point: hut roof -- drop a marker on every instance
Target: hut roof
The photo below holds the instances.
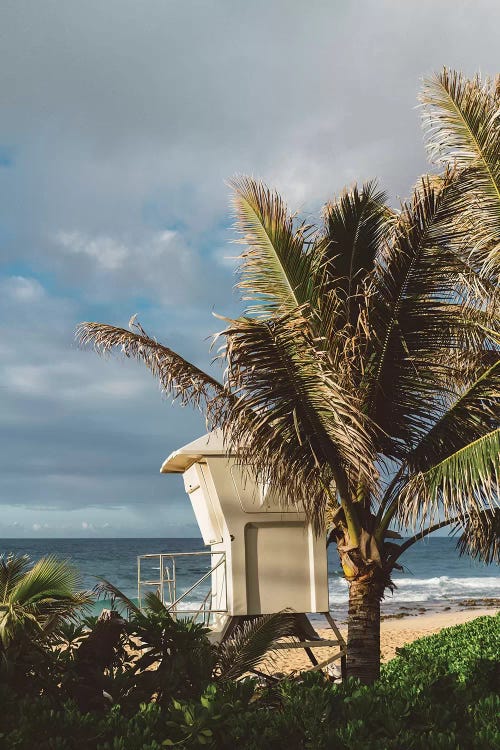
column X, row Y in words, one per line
column 179, row 461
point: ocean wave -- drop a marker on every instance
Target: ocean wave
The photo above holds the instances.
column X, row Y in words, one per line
column 407, row 589
column 427, row 589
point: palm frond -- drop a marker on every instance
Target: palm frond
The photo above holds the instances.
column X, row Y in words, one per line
column 12, row 569
column 355, row 225
column 419, row 325
column 480, row 536
column 178, row 378
column 473, row 414
column 278, row 268
column 462, row 120
column 49, row 578
column 245, row 649
column 464, row 483
column 298, row 424
column 106, row 589
column 154, row 604
column 40, row 598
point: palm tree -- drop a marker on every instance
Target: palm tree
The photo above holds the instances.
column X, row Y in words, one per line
column 35, row 599
column 363, row 379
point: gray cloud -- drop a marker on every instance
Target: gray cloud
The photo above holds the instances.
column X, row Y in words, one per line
column 120, row 122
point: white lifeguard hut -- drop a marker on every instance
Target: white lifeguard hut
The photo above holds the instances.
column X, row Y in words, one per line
column 265, row 557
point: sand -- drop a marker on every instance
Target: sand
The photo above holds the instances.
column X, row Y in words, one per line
column 394, row 633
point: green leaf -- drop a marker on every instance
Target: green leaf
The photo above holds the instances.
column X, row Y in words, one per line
column 36, row 599
column 277, row 272
column 470, row 416
column 464, row 483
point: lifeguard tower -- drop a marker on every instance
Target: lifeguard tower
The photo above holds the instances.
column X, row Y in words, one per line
column 264, row 557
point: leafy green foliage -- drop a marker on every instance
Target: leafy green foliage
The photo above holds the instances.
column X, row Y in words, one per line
column 199, row 724
column 38, row 603
column 154, row 657
column 35, row 598
column 439, row 693
column 458, row 650
column 175, row 658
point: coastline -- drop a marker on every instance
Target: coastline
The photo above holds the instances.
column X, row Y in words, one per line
column 394, row 633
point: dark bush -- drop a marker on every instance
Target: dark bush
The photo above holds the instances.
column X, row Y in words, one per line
column 440, row 693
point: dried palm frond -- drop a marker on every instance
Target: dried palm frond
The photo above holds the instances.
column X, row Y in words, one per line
column 287, row 265
column 370, row 345
column 462, row 120
column 472, row 415
column 355, row 226
column 301, row 427
column 250, row 643
column 417, row 322
column 480, row 536
column 178, row 378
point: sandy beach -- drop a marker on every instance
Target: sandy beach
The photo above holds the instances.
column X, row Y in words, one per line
column 394, row 634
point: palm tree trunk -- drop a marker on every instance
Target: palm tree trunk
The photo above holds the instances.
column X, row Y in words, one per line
column 363, row 635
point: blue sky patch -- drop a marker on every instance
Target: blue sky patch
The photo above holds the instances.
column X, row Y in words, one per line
column 6, row 157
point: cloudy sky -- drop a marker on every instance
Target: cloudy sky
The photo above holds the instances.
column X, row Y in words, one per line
column 120, row 122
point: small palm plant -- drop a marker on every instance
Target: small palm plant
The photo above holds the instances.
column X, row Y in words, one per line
column 167, row 657
column 35, row 599
column 36, row 602
column 363, row 380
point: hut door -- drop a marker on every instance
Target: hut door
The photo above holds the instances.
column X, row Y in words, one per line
column 278, row 567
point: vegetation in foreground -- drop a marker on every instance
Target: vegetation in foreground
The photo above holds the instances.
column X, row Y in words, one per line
column 147, row 681
column 440, row 693
column 362, row 381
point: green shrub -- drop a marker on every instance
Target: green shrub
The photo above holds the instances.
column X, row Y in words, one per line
column 440, row 693
column 27, row 724
column 453, row 650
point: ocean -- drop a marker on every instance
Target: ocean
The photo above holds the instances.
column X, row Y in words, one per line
column 434, row 575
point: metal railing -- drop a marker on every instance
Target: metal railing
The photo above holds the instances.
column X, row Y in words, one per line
column 213, row 602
